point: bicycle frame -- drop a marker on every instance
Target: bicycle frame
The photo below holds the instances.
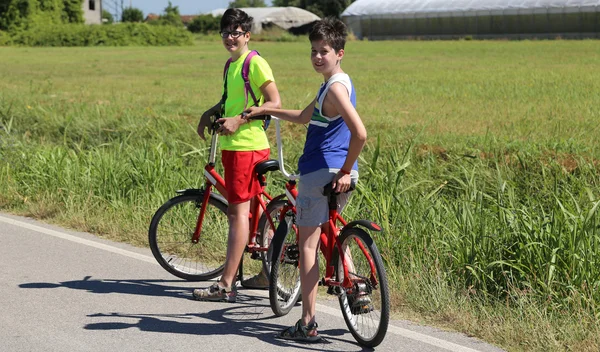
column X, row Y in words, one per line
column 213, row 179
column 329, row 232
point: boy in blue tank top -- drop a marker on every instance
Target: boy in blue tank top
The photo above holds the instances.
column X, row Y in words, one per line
column 335, row 138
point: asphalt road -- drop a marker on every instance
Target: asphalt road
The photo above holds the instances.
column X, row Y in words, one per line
column 62, row 290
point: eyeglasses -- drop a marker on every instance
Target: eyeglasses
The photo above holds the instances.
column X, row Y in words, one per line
column 234, row 34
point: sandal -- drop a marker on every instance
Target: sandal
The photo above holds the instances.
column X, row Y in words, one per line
column 216, row 293
column 299, row 332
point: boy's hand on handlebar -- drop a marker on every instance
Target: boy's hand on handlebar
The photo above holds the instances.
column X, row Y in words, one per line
column 229, row 125
column 341, row 182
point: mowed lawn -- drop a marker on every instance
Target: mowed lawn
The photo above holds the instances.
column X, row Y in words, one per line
column 482, row 164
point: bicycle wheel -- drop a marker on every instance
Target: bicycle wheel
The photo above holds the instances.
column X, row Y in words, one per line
column 366, row 305
column 284, row 283
column 267, row 232
column 171, row 231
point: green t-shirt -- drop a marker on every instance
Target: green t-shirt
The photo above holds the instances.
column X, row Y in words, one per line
column 250, row 136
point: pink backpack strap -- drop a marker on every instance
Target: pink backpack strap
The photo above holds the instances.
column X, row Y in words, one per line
column 245, row 76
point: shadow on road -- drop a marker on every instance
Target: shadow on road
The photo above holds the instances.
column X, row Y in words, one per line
column 233, row 319
column 133, row 287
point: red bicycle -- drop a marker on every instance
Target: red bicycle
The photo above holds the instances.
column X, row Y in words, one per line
column 188, row 233
column 354, row 269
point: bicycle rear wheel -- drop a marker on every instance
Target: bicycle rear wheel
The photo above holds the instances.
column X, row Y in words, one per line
column 366, row 305
column 171, row 231
column 284, row 285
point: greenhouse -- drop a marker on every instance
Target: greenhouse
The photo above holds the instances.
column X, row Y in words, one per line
column 390, row 19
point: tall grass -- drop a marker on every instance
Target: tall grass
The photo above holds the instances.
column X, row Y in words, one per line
column 481, row 166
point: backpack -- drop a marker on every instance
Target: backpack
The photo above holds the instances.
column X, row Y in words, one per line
column 246, row 78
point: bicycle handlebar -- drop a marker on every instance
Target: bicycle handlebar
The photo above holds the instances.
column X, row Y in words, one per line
column 215, row 125
column 328, row 189
column 289, row 176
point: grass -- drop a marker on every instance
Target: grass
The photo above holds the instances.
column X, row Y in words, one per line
column 481, row 165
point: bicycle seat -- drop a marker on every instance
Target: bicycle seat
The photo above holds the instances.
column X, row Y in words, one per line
column 266, row 166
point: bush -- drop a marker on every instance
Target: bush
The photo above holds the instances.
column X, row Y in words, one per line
column 107, row 17
column 123, row 34
column 204, row 24
column 132, row 14
column 4, row 39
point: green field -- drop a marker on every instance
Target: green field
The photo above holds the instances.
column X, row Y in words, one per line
column 482, row 164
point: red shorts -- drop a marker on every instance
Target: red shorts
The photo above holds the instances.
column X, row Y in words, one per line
column 241, row 182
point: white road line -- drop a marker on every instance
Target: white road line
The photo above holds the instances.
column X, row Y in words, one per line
column 79, row 240
column 430, row 340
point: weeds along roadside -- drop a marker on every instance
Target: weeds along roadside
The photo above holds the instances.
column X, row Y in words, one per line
column 513, row 228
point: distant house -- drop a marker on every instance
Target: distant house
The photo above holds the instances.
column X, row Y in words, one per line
column 187, row 19
column 92, row 11
column 151, row 17
column 293, row 19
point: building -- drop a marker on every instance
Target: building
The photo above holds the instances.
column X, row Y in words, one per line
column 289, row 18
column 92, row 11
column 397, row 19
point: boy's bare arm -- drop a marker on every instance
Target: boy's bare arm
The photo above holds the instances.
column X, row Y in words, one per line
column 338, row 96
column 271, row 93
column 296, row 116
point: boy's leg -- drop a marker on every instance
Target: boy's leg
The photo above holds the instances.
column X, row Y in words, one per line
column 309, row 270
column 224, row 290
column 236, row 241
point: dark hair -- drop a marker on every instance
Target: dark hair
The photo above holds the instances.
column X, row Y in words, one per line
column 232, row 18
column 332, row 31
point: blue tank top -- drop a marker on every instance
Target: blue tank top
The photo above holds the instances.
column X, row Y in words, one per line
column 327, row 138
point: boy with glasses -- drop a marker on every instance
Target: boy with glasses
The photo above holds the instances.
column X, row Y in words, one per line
column 243, row 143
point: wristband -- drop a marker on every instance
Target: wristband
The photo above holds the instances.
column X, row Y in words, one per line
column 345, row 172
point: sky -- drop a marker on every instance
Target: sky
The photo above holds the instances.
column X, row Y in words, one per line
column 186, row 7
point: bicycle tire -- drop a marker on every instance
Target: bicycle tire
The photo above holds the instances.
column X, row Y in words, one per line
column 266, row 234
column 366, row 318
column 170, row 237
column 284, row 281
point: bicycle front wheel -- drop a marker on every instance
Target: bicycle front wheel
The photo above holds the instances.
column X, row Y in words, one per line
column 284, row 283
column 366, row 305
column 267, row 232
column 171, row 231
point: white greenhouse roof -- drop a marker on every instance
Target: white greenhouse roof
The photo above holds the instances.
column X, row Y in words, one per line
column 456, row 7
column 284, row 17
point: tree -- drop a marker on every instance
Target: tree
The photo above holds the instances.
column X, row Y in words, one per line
column 132, row 14
column 72, row 11
column 107, row 17
column 321, row 8
column 171, row 16
column 247, row 3
column 16, row 14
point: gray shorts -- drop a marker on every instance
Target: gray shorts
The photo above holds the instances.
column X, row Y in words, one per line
column 311, row 205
